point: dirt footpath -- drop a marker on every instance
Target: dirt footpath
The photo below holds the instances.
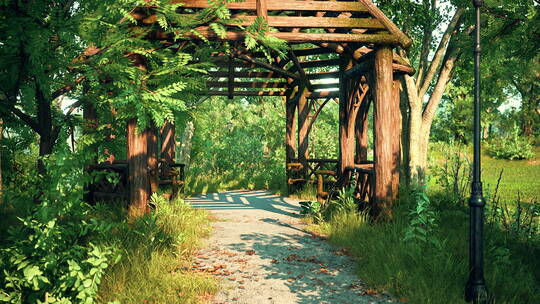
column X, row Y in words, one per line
column 262, row 254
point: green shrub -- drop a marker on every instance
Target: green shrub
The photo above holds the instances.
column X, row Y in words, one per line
column 511, row 147
column 49, row 257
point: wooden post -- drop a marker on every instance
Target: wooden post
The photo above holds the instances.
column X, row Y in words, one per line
column 361, row 131
column 303, row 129
column 139, row 192
column 262, row 9
column 168, row 142
column 397, row 134
column 290, row 129
column 346, row 136
column 386, row 139
column 153, row 164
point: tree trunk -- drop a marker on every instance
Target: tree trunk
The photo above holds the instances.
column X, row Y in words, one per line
column 138, row 171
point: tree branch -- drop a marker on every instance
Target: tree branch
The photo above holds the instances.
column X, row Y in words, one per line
column 440, row 53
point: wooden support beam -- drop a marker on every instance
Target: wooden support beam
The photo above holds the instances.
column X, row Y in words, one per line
column 262, row 9
column 346, row 137
column 290, row 129
column 323, row 94
column 386, row 140
column 267, row 66
column 284, row 5
column 403, row 40
column 153, row 164
column 362, row 131
column 301, row 71
column 139, row 192
column 246, row 84
column 323, row 86
column 302, row 22
column 303, row 128
column 311, row 52
column 382, row 38
column 247, row 93
column 168, row 142
column 319, row 63
column 324, row 75
column 246, row 74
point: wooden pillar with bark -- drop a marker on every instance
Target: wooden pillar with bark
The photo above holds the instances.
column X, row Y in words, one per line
column 290, row 133
column 387, row 140
column 303, row 107
column 139, row 192
column 153, row 164
column 346, row 119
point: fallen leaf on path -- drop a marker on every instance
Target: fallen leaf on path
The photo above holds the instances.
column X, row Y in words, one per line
column 242, row 287
column 342, row 252
column 250, row 252
column 370, row 292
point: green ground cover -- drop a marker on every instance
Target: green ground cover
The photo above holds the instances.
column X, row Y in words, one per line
column 519, row 177
column 434, row 269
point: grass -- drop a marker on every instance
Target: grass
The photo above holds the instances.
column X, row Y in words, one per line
column 520, row 177
column 423, row 273
column 156, row 257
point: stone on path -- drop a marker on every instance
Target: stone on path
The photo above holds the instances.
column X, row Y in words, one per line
column 262, row 253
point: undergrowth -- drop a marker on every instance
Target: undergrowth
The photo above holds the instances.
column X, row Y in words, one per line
column 431, row 266
column 157, row 251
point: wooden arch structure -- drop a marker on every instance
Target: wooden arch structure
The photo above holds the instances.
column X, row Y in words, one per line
column 360, row 70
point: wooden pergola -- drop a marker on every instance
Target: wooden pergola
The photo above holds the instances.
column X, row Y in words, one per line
column 360, row 70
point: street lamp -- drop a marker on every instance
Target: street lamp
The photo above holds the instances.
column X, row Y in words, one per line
column 476, row 290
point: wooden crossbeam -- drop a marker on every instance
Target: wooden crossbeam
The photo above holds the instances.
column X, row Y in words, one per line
column 301, row 71
column 246, row 74
column 246, row 84
column 311, row 52
column 266, row 65
column 247, row 93
column 305, row 22
column 324, row 75
column 383, row 38
column 326, row 86
column 284, row 5
column 323, row 94
column 319, row 63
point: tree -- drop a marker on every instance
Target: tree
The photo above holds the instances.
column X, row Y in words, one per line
column 436, row 59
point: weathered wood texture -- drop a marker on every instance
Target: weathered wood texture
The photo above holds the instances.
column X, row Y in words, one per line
column 139, row 192
column 152, row 150
column 386, row 140
column 168, row 142
column 346, row 138
column 303, row 127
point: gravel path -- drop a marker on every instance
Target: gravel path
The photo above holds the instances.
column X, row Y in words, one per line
column 262, row 254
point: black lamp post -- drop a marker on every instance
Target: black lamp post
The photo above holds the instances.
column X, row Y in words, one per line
column 476, row 290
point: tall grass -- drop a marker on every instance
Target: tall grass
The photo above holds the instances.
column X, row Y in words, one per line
column 421, row 272
column 156, row 256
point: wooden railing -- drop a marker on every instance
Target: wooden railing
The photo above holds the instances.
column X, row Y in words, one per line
column 112, row 181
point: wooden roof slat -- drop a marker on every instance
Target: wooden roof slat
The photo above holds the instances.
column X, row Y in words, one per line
column 319, row 63
column 382, row 38
column 285, row 5
column 313, row 51
column 247, row 84
column 246, row 74
column 306, row 22
column 324, row 75
column 247, row 93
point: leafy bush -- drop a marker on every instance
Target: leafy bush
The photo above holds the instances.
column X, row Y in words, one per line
column 50, row 257
column 511, row 147
column 422, row 219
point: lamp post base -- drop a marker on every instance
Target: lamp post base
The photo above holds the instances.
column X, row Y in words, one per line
column 477, row 293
